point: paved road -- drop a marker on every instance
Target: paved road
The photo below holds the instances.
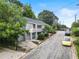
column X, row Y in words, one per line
column 52, row 49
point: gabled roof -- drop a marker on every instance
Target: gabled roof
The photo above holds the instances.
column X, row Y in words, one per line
column 34, row 21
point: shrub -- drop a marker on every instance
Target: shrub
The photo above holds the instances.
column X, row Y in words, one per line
column 49, row 29
column 53, row 31
column 76, row 42
column 41, row 36
column 75, row 31
column 5, row 42
column 45, row 34
column 75, row 24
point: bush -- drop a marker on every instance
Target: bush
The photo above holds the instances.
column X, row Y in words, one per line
column 75, row 24
column 75, row 31
column 7, row 42
column 41, row 36
column 76, row 42
column 49, row 29
column 46, row 34
column 53, row 31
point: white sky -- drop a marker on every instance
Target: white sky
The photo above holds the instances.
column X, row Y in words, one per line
column 67, row 16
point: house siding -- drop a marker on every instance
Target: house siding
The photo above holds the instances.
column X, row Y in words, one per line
column 32, row 26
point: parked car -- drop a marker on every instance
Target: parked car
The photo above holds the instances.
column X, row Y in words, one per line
column 67, row 32
column 67, row 42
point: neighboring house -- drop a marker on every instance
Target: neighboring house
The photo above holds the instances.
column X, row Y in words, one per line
column 34, row 27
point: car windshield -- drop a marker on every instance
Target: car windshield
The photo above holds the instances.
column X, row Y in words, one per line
column 66, row 39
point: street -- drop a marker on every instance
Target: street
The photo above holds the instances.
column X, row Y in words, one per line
column 52, row 49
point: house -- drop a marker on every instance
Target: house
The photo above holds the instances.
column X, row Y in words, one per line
column 34, row 27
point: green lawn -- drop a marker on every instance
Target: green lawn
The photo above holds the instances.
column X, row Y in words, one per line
column 76, row 43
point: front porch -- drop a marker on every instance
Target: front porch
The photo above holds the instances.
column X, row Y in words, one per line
column 28, row 36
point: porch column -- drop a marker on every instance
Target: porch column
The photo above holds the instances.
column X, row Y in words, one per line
column 31, row 35
column 36, row 32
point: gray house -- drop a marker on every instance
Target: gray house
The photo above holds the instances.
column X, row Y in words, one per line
column 34, row 27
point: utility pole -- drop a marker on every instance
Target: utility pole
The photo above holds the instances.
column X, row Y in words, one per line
column 75, row 17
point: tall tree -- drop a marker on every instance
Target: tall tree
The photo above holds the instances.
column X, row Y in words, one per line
column 16, row 2
column 47, row 16
column 11, row 22
column 28, row 12
column 75, row 28
column 12, row 0
column 75, row 24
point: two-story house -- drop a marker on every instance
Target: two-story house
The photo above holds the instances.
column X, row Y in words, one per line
column 34, row 27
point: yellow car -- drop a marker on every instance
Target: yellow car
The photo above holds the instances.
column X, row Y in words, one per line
column 67, row 42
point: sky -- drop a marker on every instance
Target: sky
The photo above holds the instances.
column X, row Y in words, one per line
column 64, row 9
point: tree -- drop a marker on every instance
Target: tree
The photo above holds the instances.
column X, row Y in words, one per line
column 47, row 16
column 28, row 12
column 11, row 22
column 75, row 28
column 75, row 24
column 16, row 2
column 12, row 0
column 61, row 26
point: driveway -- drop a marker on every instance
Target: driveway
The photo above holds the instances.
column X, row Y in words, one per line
column 51, row 49
column 10, row 54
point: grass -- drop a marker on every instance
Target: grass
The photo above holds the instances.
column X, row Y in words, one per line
column 77, row 49
column 76, row 43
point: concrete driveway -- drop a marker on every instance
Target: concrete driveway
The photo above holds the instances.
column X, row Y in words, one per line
column 51, row 49
column 10, row 54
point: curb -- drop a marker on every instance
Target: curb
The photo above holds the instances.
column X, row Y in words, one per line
column 74, row 52
column 21, row 56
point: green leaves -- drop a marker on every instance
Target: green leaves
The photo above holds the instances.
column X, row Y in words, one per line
column 49, row 29
column 47, row 16
column 28, row 12
column 11, row 21
column 75, row 31
column 75, row 28
column 75, row 24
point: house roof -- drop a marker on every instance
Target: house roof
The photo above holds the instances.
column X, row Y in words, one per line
column 34, row 21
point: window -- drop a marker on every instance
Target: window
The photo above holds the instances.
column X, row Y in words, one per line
column 67, row 39
column 33, row 25
column 39, row 26
column 33, row 35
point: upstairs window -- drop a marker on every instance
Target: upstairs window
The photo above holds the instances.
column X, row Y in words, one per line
column 33, row 25
column 39, row 26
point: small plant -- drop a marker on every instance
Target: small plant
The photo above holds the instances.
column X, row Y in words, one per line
column 41, row 36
